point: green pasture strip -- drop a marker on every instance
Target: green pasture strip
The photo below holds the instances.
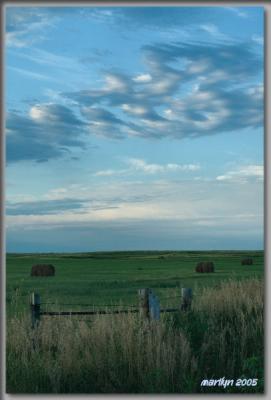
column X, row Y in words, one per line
column 114, row 277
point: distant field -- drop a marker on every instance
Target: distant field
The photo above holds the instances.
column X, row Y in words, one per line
column 110, row 278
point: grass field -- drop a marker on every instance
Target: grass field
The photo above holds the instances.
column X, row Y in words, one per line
column 221, row 336
column 106, row 278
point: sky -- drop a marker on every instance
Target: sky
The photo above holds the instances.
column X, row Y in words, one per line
column 134, row 128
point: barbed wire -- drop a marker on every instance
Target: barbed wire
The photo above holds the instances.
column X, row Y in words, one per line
column 91, row 305
column 107, row 305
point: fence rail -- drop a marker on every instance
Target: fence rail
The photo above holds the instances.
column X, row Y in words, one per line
column 149, row 306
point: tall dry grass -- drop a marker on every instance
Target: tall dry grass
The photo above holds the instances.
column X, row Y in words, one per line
column 221, row 336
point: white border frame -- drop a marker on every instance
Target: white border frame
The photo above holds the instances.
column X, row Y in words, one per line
column 267, row 189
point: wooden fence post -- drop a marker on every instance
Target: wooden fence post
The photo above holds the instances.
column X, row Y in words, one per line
column 144, row 305
column 35, row 309
column 149, row 306
column 186, row 299
column 154, row 307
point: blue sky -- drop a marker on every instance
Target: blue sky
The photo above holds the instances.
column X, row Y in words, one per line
column 134, row 128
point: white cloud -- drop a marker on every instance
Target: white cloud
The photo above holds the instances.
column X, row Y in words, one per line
column 184, row 167
column 210, row 28
column 213, row 30
column 243, row 174
column 191, row 204
column 258, row 39
column 143, row 166
column 143, row 78
column 237, row 11
column 12, row 39
column 256, row 92
column 27, row 26
column 164, row 83
column 37, row 113
column 192, row 92
column 32, row 74
column 198, row 67
column 139, row 165
column 115, row 83
column 60, row 68
column 109, row 172
column 58, row 193
column 44, row 57
column 134, row 109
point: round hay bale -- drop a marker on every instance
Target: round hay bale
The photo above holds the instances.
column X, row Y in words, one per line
column 205, row 266
column 199, row 267
column 43, row 270
column 247, row 261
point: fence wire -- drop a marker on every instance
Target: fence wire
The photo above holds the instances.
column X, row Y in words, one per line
column 96, row 308
column 91, row 305
column 106, row 305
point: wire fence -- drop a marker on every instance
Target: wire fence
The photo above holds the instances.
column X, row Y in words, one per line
column 148, row 306
column 90, row 305
column 105, row 305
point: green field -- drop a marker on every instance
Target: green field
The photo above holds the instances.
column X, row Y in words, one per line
column 221, row 336
column 110, row 278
